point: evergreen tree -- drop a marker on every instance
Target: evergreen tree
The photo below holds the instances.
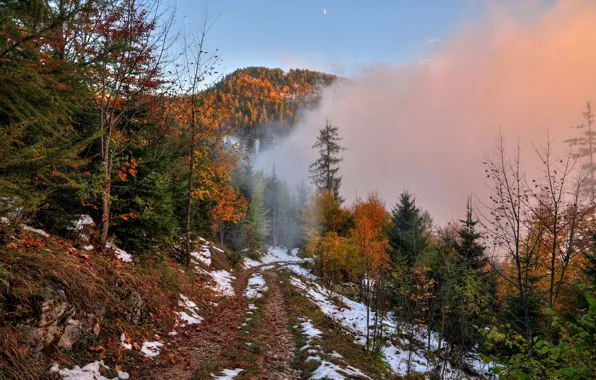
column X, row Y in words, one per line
column 324, row 171
column 410, row 229
column 272, row 205
column 471, row 251
column 255, row 224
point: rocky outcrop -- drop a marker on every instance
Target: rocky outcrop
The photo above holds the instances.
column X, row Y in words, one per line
column 58, row 322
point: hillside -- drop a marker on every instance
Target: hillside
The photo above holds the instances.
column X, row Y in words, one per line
column 264, row 103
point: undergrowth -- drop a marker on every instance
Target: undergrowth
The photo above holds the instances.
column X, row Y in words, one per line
column 32, row 267
column 334, row 338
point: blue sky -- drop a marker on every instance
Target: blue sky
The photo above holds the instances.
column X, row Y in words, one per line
column 351, row 36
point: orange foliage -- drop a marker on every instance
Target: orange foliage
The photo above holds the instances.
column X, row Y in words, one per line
column 372, row 222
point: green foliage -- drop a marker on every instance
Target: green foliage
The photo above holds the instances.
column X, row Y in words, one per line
column 410, row 229
column 144, row 218
column 42, row 98
column 571, row 356
column 324, row 172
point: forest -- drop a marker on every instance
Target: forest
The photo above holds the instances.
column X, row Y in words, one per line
column 100, row 120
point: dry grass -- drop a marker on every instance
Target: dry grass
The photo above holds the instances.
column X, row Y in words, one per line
column 31, row 265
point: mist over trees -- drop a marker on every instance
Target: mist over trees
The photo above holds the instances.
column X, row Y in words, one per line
column 93, row 121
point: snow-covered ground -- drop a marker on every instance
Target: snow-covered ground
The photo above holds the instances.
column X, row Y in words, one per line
column 204, row 255
column 151, row 349
column 91, row 371
column 353, row 319
column 223, row 282
column 190, row 315
column 227, row 374
column 37, row 231
column 120, row 253
column 256, row 286
column 274, row 255
column 326, row 369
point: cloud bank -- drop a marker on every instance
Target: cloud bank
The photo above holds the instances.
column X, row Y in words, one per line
column 427, row 126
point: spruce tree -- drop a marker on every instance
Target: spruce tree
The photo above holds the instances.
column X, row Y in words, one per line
column 324, row 171
column 255, row 224
column 272, row 205
column 471, row 251
column 410, row 230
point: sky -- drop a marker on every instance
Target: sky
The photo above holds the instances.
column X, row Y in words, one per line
column 352, row 35
column 432, row 84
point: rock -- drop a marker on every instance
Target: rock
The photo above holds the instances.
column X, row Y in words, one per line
column 71, row 335
column 58, row 322
column 136, row 308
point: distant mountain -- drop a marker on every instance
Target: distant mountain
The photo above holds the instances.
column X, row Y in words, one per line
column 264, row 103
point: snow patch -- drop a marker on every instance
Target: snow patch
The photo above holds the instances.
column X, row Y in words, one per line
column 275, row 255
column 297, row 269
column 328, row 370
column 190, row 315
column 35, row 230
column 256, row 286
column 227, row 374
column 353, row 318
column 151, row 349
column 127, row 346
column 91, row 371
column 121, row 254
column 81, row 222
column 223, row 282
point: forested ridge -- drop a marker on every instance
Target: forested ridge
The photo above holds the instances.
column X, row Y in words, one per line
column 136, row 236
column 264, row 103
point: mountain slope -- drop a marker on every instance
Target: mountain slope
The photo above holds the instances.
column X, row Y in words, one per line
column 264, row 103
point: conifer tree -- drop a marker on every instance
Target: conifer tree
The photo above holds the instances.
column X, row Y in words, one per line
column 410, row 229
column 255, row 224
column 471, row 251
column 324, row 171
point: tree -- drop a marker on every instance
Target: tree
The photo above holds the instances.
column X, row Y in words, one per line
column 123, row 49
column 230, row 207
column 272, row 202
column 470, row 249
column 410, row 229
column 324, row 171
column 371, row 223
column 586, row 145
column 43, row 105
column 255, row 225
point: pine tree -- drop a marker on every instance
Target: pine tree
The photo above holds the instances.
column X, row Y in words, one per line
column 471, row 251
column 324, row 171
column 255, row 224
column 272, row 205
column 410, row 229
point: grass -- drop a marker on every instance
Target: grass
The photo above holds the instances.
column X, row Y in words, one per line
column 334, row 337
column 31, row 266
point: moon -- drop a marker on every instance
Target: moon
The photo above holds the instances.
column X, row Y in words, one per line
column 324, row 11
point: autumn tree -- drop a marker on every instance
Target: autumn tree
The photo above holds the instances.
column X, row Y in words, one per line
column 123, row 48
column 324, row 172
column 371, row 223
column 230, row 207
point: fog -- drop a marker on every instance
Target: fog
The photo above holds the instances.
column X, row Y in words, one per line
column 427, row 126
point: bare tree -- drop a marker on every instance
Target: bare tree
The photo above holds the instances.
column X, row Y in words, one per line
column 509, row 222
column 535, row 224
